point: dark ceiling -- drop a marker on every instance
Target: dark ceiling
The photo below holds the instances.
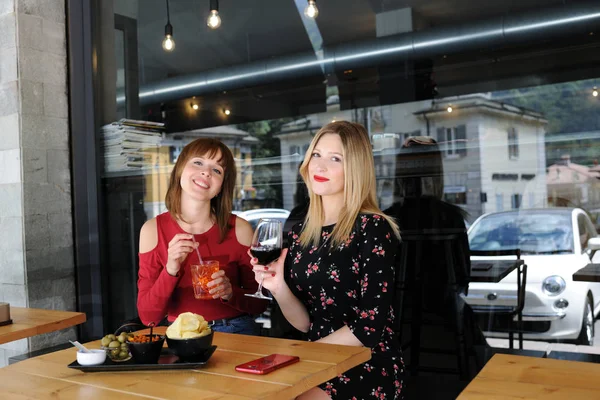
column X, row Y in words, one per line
column 259, row 29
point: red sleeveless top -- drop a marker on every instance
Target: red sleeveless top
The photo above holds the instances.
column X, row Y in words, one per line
column 161, row 294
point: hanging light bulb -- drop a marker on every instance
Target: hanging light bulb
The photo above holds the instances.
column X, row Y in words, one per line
column 595, row 92
column 195, row 106
column 214, row 19
column 168, row 42
column 227, row 111
column 311, row 10
column 449, row 109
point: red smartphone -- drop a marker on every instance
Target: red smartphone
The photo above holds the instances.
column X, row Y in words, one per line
column 267, row 364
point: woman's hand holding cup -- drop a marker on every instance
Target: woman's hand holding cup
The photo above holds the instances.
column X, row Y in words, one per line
column 272, row 274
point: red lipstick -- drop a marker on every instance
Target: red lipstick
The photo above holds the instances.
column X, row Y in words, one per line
column 320, row 178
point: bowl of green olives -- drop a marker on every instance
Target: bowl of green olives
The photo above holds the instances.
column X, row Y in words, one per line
column 116, row 347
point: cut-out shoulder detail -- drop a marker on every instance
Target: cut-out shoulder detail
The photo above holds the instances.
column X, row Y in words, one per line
column 243, row 231
column 148, row 236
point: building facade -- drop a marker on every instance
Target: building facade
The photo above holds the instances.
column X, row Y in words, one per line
column 37, row 266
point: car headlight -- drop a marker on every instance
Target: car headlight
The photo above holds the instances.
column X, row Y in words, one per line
column 553, row 285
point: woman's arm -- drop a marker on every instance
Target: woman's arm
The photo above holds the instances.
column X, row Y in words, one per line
column 293, row 310
column 155, row 284
column 377, row 250
column 342, row 336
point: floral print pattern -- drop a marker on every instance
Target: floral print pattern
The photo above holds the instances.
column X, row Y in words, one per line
column 352, row 285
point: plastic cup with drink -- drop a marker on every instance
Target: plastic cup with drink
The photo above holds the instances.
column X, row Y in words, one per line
column 201, row 275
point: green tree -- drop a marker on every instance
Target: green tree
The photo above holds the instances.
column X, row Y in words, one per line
column 266, row 178
column 570, row 109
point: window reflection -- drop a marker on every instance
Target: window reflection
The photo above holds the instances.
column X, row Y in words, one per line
column 511, row 148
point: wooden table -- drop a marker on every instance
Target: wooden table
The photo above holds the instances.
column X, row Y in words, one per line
column 29, row 322
column 47, row 376
column 589, row 273
column 517, row 377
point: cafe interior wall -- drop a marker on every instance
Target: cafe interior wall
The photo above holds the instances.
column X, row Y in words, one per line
column 36, row 236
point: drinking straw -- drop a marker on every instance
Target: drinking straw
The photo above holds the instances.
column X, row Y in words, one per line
column 197, row 251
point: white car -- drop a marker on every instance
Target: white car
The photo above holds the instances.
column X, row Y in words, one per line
column 555, row 243
column 253, row 216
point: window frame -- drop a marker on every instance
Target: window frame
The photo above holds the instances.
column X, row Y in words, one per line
column 513, row 143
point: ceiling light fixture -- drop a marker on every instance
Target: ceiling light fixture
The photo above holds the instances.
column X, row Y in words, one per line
column 595, row 91
column 214, row 19
column 449, row 109
column 311, row 10
column 168, row 43
column 226, row 111
column 195, row 106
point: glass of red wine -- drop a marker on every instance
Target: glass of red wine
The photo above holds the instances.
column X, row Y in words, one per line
column 266, row 247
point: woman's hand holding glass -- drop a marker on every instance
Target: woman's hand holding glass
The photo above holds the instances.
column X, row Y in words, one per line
column 220, row 286
column 271, row 275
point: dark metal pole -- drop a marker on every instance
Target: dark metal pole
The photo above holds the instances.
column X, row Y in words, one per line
column 84, row 167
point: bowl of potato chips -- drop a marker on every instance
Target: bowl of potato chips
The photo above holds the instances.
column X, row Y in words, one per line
column 189, row 337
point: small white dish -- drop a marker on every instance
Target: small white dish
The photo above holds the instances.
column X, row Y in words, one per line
column 94, row 357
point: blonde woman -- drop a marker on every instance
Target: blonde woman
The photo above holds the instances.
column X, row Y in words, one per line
column 336, row 280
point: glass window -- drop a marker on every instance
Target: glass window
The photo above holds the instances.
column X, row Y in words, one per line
column 513, row 144
column 534, row 232
column 517, row 125
column 456, row 197
column 516, row 200
column 453, row 140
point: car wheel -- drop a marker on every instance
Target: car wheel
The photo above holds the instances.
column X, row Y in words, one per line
column 586, row 336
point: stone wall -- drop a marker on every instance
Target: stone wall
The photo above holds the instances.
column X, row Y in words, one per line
column 36, row 235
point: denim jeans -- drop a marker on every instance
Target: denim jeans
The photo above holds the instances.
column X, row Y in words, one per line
column 244, row 325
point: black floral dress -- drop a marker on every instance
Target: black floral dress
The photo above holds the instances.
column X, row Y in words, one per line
column 352, row 285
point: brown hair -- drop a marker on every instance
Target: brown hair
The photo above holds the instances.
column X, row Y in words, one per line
column 220, row 205
column 359, row 185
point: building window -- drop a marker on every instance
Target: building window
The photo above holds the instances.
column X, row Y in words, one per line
column 453, row 141
column 513, row 144
column 456, row 198
column 455, row 194
column 516, row 201
column 499, row 202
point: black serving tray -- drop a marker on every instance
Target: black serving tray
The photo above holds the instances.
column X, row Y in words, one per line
column 167, row 360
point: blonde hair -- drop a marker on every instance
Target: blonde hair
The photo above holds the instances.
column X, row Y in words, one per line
column 222, row 204
column 359, row 185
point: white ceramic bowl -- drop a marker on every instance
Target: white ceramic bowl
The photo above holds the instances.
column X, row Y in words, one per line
column 96, row 357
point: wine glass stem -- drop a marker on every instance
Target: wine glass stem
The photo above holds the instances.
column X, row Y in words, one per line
column 262, row 278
